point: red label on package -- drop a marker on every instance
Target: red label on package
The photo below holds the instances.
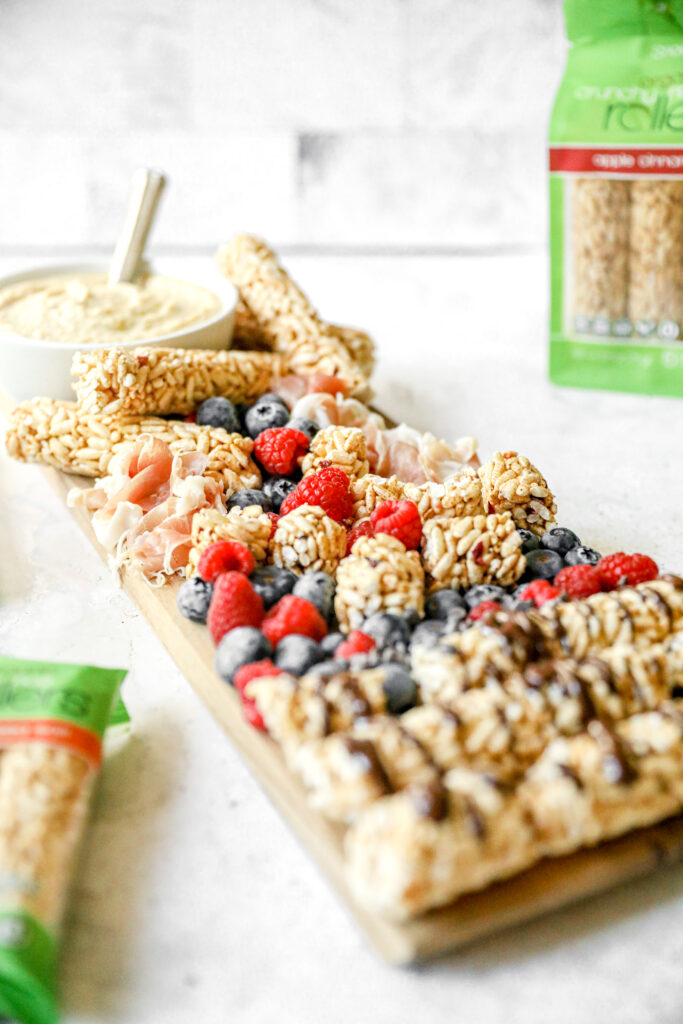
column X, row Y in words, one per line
column 55, row 733
column 616, row 160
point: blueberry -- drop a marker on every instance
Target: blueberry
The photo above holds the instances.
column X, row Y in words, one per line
column 318, row 588
column 296, row 654
column 308, row 427
column 247, row 497
column 272, row 583
column 218, row 412
column 559, row 539
column 271, row 397
column 456, row 619
column 387, row 630
column 330, row 643
column 428, row 633
column 483, row 592
column 277, row 488
column 399, row 688
column 194, row 597
column 442, row 603
column 240, row 647
column 324, row 669
column 582, row 556
column 543, row 565
column 265, row 414
column 529, row 541
column 412, row 617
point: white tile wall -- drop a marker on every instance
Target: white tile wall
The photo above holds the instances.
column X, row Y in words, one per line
column 365, row 123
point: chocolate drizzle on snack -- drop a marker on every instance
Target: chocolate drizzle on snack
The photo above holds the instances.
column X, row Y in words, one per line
column 429, row 799
column 364, row 752
column 616, row 763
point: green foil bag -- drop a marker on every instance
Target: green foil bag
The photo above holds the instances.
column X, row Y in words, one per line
column 616, row 199
column 52, row 721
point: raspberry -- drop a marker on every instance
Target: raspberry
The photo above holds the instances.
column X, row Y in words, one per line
column 224, row 556
column 619, row 569
column 399, row 519
column 293, row 614
column 356, row 642
column 234, row 603
column 579, row 581
column 273, row 516
column 363, row 529
column 482, row 609
column 539, row 592
column 252, row 714
column 254, row 670
column 279, row 449
column 191, row 417
column 328, row 488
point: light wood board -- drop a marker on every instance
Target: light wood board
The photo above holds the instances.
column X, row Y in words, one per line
column 548, row 886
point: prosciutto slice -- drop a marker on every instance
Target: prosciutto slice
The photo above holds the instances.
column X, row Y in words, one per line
column 416, row 457
column 293, row 387
column 413, row 456
column 143, row 509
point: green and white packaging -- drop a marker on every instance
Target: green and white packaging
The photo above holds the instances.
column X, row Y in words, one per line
column 52, row 720
column 616, row 199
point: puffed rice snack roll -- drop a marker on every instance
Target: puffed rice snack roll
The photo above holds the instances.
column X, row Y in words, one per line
column 511, row 483
column 288, row 319
column 370, row 490
column 166, row 381
column 467, row 550
column 249, row 526
column 308, row 539
column 343, row 447
column 378, row 575
column 460, row 495
column 60, row 434
column 300, row 711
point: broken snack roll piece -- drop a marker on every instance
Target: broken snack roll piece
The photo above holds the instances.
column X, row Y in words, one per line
column 344, row 447
column 641, row 615
column 297, row 711
column 427, row 845
column 169, row 381
column 467, row 550
column 378, row 575
column 307, row 539
column 250, row 526
column 60, row 434
column 511, row 483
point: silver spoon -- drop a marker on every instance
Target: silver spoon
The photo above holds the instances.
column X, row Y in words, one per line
column 148, row 184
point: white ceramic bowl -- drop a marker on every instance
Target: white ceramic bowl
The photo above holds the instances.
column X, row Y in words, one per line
column 30, row 367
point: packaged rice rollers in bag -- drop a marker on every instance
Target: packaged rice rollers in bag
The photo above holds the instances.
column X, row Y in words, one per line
column 616, row 199
column 52, row 720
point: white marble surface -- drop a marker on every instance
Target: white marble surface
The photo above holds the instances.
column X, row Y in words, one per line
column 193, row 901
column 328, row 122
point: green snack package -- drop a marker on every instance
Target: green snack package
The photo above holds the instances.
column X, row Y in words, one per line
column 616, row 199
column 52, row 720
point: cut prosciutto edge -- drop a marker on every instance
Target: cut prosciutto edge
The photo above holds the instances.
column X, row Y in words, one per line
column 413, row 456
column 143, row 509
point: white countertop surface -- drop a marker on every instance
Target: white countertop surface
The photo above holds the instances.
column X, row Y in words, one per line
column 194, row 902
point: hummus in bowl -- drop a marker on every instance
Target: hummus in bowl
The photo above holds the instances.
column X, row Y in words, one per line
column 50, row 313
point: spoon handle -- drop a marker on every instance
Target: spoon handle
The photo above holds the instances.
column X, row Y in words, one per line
column 148, row 184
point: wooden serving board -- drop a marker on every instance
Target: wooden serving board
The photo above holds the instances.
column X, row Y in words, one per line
column 549, row 885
